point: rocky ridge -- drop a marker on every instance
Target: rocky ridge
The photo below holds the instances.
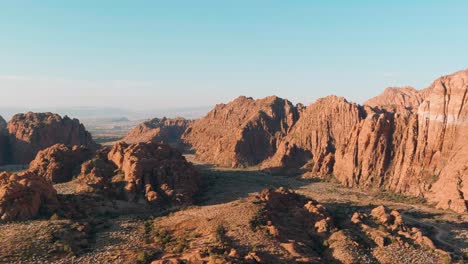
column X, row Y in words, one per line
column 241, row 133
column 159, row 130
column 415, row 152
column 31, row 132
column 59, row 163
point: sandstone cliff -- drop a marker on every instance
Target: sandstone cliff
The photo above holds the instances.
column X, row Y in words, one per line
column 32, row 132
column 312, row 142
column 419, row 152
column 425, row 153
column 162, row 130
column 243, row 132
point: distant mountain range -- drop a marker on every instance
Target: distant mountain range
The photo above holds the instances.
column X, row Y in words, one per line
column 111, row 112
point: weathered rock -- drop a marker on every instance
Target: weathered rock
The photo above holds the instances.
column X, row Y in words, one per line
column 23, row 196
column 300, row 224
column 59, row 163
column 406, row 97
column 158, row 130
column 97, row 173
column 157, row 171
column 322, row 128
column 420, row 152
column 32, row 132
column 243, row 132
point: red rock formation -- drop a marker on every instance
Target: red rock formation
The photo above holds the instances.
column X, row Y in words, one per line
column 158, row 130
column 406, row 97
column 442, row 146
column 32, row 132
column 97, row 173
column 427, row 153
column 243, row 132
column 419, row 153
column 157, row 171
column 311, row 144
column 59, row 163
column 24, row 195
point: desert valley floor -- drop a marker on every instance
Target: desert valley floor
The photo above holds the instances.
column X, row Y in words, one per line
column 119, row 231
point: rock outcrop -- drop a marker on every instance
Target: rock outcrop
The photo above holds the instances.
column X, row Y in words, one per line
column 307, row 231
column 32, row 132
column 311, row 144
column 159, row 130
column 155, row 171
column 23, row 196
column 406, row 97
column 59, row 163
column 241, row 133
column 97, row 173
column 418, row 152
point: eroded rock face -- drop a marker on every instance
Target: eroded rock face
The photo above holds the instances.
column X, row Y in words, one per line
column 59, row 163
column 406, row 97
column 158, row 130
column 32, row 132
column 442, row 142
column 97, row 173
column 419, row 152
column 24, row 195
column 243, row 132
column 155, row 171
column 311, row 145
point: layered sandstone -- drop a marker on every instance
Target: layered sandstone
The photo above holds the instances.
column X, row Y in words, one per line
column 419, row 152
column 23, row 196
column 155, row 171
column 32, row 132
column 59, row 163
column 243, row 132
column 160, row 130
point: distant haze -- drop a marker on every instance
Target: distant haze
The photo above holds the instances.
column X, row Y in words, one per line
column 140, row 59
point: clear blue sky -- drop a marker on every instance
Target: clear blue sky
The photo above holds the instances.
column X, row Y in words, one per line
column 162, row 54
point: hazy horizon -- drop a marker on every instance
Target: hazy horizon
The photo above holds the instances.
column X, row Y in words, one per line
column 144, row 56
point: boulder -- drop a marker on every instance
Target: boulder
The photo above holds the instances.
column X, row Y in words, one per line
column 24, row 195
